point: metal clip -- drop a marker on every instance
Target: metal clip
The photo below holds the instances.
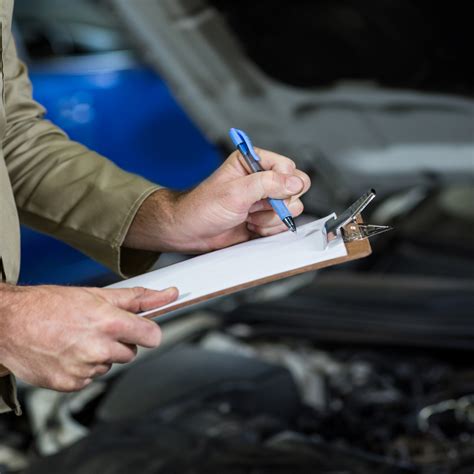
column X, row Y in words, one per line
column 347, row 223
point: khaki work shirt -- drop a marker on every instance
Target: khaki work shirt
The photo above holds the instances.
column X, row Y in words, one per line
column 56, row 186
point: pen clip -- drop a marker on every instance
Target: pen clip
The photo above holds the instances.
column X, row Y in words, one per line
column 354, row 231
column 242, row 140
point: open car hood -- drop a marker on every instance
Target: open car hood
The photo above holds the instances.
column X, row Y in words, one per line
column 352, row 130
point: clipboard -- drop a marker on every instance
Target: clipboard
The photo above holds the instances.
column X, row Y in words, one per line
column 356, row 249
column 348, row 228
column 343, row 238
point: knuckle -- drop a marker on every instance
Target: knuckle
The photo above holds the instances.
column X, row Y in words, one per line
column 103, row 370
column 268, row 231
column 52, row 381
column 101, row 311
column 306, row 179
column 153, row 335
column 297, row 207
column 74, row 385
column 269, row 181
column 95, row 372
column 125, row 355
column 85, row 383
column 263, row 231
column 112, row 326
column 89, row 373
column 157, row 335
column 65, row 383
column 99, row 353
column 136, row 291
column 289, row 164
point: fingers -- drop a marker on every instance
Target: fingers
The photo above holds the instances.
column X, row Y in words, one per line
column 119, row 332
column 294, row 204
column 262, row 205
column 270, row 218
column 98, row 361
column 248, row 190
column 62, row 382
column 99, row 370
column 119, row 338
column 130, row 329
column 271, row 162
column 281, row 180
column 138, row 299
column 268, row 160
column 122, row 353
column 306, row 180
column 267, row 231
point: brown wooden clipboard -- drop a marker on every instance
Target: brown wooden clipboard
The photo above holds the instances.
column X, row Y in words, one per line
column 355, row 250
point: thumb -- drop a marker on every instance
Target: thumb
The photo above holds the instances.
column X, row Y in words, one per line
column 266, row 184
column 138, row 299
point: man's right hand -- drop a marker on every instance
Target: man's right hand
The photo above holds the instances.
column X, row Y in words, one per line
column 61, row 338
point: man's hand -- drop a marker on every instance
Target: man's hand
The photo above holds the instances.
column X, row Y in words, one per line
column 61, row 338
column 227, row 208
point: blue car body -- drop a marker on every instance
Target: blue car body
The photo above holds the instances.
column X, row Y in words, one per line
column 123, row 110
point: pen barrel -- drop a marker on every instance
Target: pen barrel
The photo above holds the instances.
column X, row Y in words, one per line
column 243, row 144
column 280, row 208
column 252, row 163
column 277, row 204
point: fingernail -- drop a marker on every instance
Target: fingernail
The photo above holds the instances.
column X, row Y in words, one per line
column 171, row 289
column 294, row 184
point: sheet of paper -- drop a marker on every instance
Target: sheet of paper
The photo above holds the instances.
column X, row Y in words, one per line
column 242, row 263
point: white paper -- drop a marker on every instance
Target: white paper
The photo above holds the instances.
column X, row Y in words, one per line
column 242, row 263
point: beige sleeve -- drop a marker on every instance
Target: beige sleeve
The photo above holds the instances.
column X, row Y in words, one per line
column 63, row 189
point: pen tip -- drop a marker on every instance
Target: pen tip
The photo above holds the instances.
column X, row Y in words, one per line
column 290, row 223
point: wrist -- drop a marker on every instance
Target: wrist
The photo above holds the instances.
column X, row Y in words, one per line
column 154, row 223
column 14, row 300
column 7, row 304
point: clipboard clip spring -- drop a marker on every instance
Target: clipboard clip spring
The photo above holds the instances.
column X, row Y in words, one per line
column 347, row 224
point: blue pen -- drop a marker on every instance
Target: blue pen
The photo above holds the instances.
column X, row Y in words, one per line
column 244, row 145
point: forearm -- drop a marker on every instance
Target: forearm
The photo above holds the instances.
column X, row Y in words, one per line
column 5, row 301
column 11, row 297
column 155, row 224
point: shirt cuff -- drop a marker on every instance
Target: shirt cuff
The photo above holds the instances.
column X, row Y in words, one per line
column 125, row 261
